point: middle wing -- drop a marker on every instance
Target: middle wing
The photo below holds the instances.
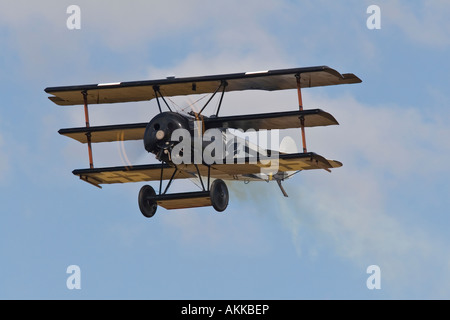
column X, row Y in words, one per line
column 275, row 120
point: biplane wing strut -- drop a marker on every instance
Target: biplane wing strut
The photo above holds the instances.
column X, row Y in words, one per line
column 300, row 106
column 88, row 134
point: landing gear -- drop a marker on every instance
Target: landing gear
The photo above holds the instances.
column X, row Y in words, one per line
column 147, row 202
column 219, row 195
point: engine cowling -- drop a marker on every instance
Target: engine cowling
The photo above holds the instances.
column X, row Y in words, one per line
column 158, row 133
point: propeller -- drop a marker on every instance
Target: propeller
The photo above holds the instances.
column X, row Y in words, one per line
column 157, row 135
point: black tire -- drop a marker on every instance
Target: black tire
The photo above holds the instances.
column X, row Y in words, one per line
column 147, row 203
column 219, row 195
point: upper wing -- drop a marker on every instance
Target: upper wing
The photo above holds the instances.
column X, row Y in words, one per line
column 144, row 90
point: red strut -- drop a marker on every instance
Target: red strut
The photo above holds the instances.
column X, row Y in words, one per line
column 300, row 106
column 88, row 135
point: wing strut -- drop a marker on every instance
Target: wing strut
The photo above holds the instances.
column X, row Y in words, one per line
column 156, row 90
column 223, row 84
column 88, row 134
column 300, row 105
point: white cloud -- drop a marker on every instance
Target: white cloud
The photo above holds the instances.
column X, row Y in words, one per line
column 394, row 139
column 382, row 148
column 347, row 210
column 139, row 23
column 347, row 214
column 425, row 22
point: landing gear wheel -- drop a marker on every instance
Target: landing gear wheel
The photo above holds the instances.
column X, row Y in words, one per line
column 147, row 203
column 219, row 195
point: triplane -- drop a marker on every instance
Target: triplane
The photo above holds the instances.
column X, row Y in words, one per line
column 159, row 134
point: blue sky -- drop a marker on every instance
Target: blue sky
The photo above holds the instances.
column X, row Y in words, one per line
column 387, row 206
